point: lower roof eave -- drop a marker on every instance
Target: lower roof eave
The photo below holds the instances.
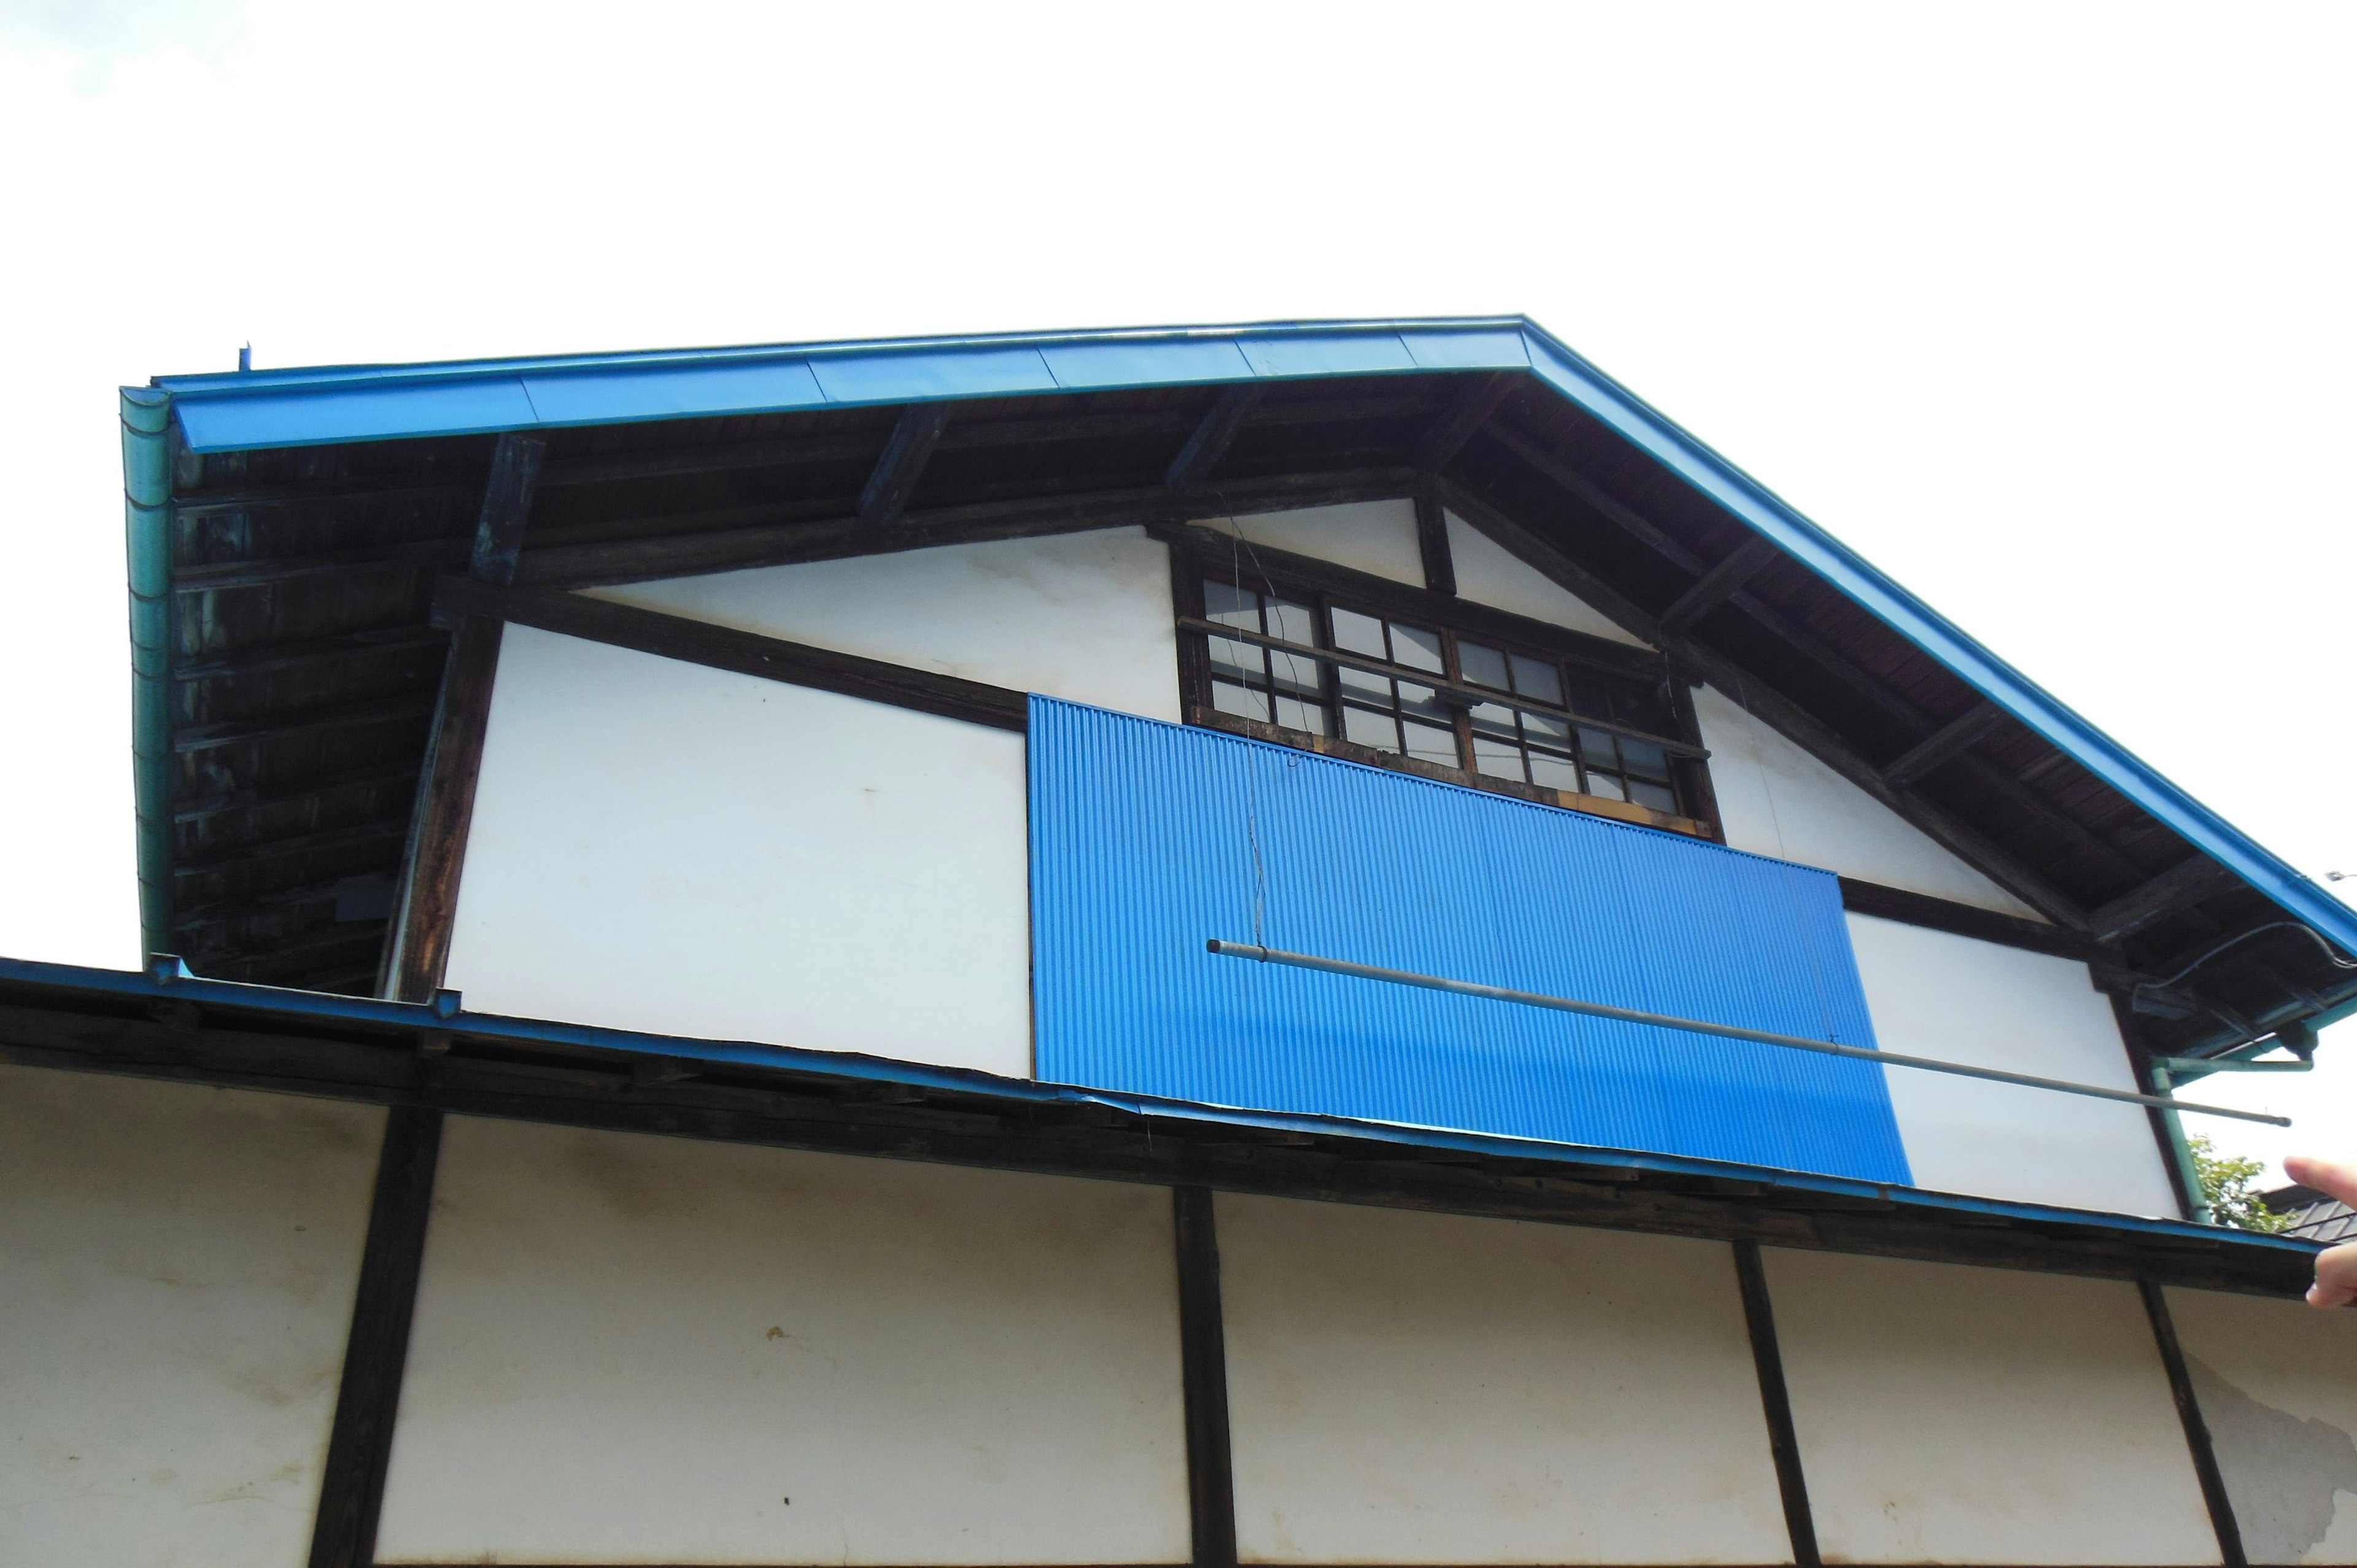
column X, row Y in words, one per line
column 164, row 1023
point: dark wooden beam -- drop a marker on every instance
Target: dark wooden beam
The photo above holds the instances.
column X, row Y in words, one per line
column 269, row 658
column 300, row 723
column 1776, row 1404
column 358, row 835
column 205, row 808
column 487, row 1071
column 1431, row 543
column 1772, row 708
column 2197, row 1429
column 1203, row 1361
column 1873, row 693
column 430, row 554
column 1475, row 402
column 360, row 1442
column 902, row 462
column 1199, row 458
column 1718, row 584
column 2181, row 885
column 681, row 550
column 1943, row 742
column 1967, row 920
column 725, row 647
column 2147, row 1081
column 419, row 945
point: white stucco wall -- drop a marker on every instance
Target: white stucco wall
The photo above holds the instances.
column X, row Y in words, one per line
column 2278, row 1385
column 1775, row 798
column 1955, row 999
column 1082, row 616
column 176, row 1270
column 640, row 1349
column 1490, row 573
column 1953, row 1414
column 661, row 847
column 1374, row 537
column 1420, row 1388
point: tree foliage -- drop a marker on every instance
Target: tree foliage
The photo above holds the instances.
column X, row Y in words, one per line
column 2226, row 1188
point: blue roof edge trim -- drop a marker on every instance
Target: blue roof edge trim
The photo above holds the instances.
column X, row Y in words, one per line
column 1752, row 503
column 446, row 1014
column 230, row 411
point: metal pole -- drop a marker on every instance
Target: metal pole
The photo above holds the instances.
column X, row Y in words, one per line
column 1726, row 1031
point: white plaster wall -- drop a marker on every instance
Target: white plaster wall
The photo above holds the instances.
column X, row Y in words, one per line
column 2278, row 1385
column 1490, row 573
column 661, row 847
column 1421, row 1388
column 640, row 1349
column 1954, row 1414
column 177, row 1269
column 1374, row 537
column 1955, row 999
column 1081, row 616
column 1775, row 798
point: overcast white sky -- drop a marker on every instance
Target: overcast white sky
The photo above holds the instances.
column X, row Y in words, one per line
column 2045, row 308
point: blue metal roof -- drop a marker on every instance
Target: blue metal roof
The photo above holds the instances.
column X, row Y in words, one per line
column 248, row 410
column 169, row 981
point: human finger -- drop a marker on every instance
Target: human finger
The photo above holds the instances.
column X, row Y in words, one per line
column 2336, row 1276
column 2324, row 1176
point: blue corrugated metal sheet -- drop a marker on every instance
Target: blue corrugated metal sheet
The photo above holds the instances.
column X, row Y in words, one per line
column 1148, row 838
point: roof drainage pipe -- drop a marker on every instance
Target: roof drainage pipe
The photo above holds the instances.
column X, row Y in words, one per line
column 147, row 549
column 1725, row 1031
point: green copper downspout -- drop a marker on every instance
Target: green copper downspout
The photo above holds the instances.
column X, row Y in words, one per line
column 147, row 552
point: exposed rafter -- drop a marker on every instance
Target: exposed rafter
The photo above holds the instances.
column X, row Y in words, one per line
column 2181, row 887
column 1718, row 584
column 1199, row 458
column 902, row 462
column 1472, row 409
column 1778, row 711
column 1947, row 741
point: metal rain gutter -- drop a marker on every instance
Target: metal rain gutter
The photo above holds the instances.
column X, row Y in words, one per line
column 146, row 417
column 167, row 980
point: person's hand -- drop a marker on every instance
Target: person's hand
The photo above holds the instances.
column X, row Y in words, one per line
column 2336, row 1267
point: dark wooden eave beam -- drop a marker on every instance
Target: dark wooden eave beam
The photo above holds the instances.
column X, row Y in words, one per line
column 1771, row 707
column 675, row 547
column 1857, row 682
column 1718, row 584
column 1214, row 435
column 1467, row 413
column 1949, row 740
column 902, row 462
column 2179, row 887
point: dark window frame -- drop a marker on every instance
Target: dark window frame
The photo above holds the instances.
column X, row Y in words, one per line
column 1198, row 554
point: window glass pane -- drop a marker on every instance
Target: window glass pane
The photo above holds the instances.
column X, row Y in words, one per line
column 1431, row 744
column 1554, row 772
column 1359, row 634
column 1498, row 757
column 1295, row 713
column 1421, row 702
column 1231, row 605
column 1416, row 647
column 1367, row 729
column 1235, row 660
column 1540, row 683
column 1227, row 697
column 1294, row 623
column 1493, row 723
column 1297, row 675
column 1643, row 759
column 1596, row 750
column 1541, row 730
column 1658, row 796
column 1482, row 666
column 1607, row 784
column 1360, row 684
